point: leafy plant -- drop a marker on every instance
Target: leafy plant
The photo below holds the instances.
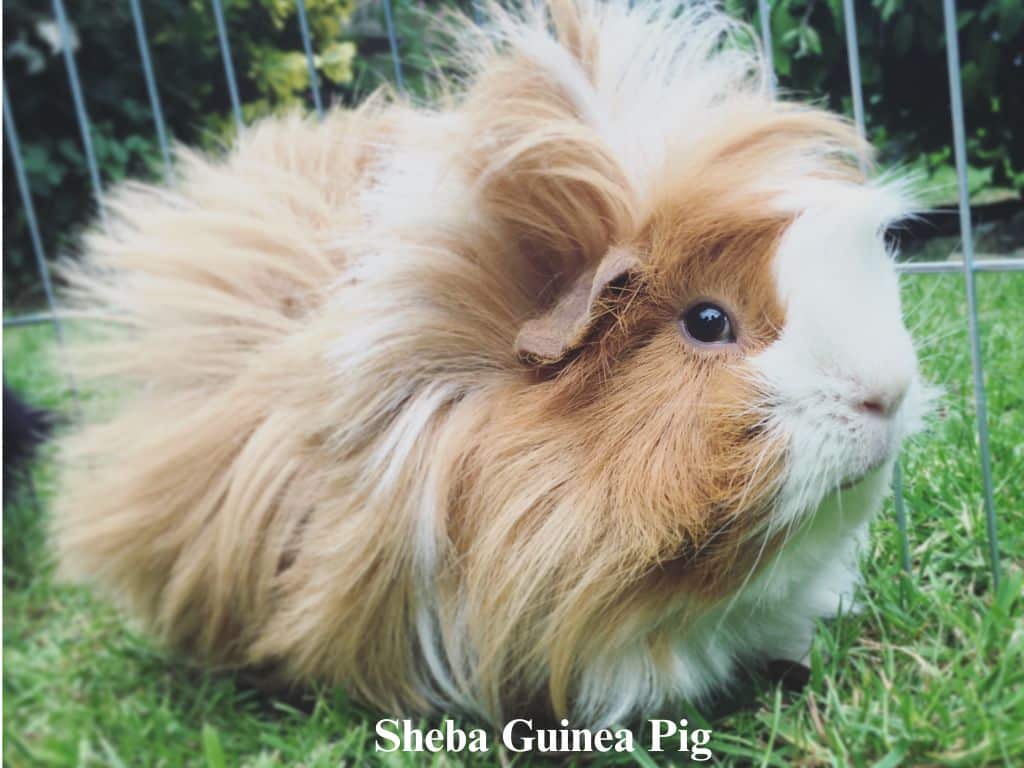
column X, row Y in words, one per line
column 269, row 61
column 906, row 90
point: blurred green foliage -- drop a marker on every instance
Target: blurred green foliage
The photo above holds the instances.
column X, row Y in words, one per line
column 902, row 58
column 906, row 90
column 352, row 58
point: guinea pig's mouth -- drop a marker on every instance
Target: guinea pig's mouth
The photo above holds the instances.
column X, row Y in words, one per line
column 859, row 477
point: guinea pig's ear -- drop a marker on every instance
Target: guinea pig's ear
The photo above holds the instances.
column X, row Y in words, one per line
column 551, row 337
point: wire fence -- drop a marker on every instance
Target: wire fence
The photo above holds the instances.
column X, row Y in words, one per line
column 968, row 266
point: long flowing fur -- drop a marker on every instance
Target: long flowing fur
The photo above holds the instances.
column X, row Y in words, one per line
column 324, row 456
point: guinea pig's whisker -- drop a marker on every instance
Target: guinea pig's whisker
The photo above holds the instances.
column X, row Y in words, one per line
column 786, row 537
column 924, row 342
column 750, row 573
column 767, row 536
column 788, row 533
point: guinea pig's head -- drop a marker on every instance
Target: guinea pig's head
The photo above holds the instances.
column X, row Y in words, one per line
column 739, row 361
column 730, row 369
column 719, row 361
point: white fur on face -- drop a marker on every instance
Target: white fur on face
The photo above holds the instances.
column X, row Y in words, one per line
column 843, row 374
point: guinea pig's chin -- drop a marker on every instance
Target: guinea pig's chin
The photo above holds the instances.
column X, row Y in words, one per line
column 845, row 506
column 844, row 459
column 860, row 486
column 844, row 485
column 859, row 477
column 858, row 498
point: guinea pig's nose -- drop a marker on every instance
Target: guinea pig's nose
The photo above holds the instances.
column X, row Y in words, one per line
column 883, row 401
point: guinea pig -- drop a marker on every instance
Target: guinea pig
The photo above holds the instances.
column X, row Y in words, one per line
column 574, row 392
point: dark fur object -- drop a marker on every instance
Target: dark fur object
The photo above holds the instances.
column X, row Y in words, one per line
column 25, row 428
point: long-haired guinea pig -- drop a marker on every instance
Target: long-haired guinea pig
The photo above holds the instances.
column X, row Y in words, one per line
column 575, row 392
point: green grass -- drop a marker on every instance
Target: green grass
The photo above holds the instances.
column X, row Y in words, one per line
column 931, row 673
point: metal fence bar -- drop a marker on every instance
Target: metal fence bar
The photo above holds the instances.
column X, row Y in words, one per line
column 389, row 21
column 79, row 100
column 856, row 89
column 32, row 318
column 229, row 67
column 154, row 95
column 14, row 147
column 966, row 235
column 307, row 44
column 980, row 265
column 901, row 515
column 764, row 9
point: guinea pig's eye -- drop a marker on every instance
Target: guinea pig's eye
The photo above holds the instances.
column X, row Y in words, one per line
column 708, row 323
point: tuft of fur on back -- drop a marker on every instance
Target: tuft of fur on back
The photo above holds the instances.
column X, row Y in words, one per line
column 325, row 457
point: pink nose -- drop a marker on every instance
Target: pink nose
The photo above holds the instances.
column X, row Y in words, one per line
column 882, row 403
